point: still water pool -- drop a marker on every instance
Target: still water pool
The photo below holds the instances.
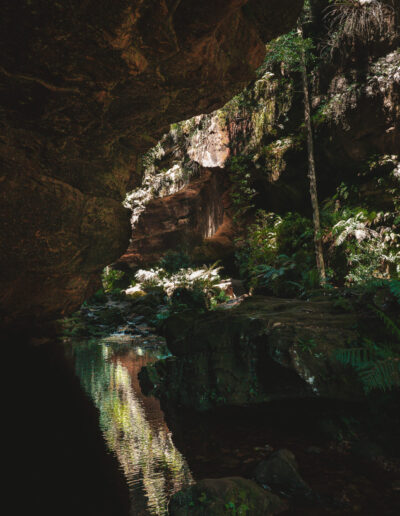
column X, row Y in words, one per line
column 132, row 424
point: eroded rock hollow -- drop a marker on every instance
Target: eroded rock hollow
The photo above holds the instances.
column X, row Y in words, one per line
column 85, row 88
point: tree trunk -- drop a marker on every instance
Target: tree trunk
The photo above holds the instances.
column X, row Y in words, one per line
column 311, row 165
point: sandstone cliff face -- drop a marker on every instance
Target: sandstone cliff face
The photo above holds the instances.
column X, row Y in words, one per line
column 85, row 87
column 187, row 219
column 355, row 96
column 187, row 206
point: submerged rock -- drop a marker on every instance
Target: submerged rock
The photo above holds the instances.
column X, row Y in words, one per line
column 280, row 471
column 232, row 495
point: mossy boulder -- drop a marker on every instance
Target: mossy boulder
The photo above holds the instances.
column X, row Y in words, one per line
column 224, row 496
column 280, row 471
column 266, row 349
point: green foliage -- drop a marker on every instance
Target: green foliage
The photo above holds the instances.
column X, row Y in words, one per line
column 243, row 192
column 378, row 366
column 274, row 277
column 203, row 278
column 286, row 50
column 365, row 241
column 277, row 253
column 394, row 286
column 186, row 289
column 173, row 261
column 110, row 279
column 241, row 510
column 307, row 345
column 218, row 298
column 260, row 246
column 362, row 243
column 98, row 297
column 240, row 105
column 203, row 498
column 390, row 325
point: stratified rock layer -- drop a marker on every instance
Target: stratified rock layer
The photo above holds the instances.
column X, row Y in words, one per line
column 191, row 219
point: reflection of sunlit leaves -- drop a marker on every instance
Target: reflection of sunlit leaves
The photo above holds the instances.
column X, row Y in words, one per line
column 146, row 455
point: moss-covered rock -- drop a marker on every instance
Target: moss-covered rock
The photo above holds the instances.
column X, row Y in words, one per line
column 266, row 349
column 223, row 496
column 281, row 472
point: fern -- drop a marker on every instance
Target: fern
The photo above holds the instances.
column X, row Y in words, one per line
column 387, row 321
column 394, row 286
column 382, row 374
column 356, row 357
column 376, row 366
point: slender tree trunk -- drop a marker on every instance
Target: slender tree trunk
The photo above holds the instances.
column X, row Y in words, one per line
column 311, row 165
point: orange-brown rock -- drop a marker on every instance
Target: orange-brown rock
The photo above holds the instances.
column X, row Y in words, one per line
column 85, row 87
column 196, row 219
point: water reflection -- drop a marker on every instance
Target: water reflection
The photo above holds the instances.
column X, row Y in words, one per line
column 132, row 424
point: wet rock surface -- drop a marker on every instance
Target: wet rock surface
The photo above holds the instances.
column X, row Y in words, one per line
column 281, row 472
column 242, row 440
column 223, row 496
column 262, row 350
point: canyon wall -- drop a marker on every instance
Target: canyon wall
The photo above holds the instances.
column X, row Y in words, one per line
column 85, row 87
column 258, row 142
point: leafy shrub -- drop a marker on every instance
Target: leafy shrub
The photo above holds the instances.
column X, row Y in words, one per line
column 187, row 288
column 278, row 253
column 204, row 278
column 243, row 192
column 173, row 261
column 287, row 50
column 111, row 280
column 377, row 363
column 371, row 247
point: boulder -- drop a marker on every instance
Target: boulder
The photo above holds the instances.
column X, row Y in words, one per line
column 262, row 350
column 221, row 496
column 281, row 472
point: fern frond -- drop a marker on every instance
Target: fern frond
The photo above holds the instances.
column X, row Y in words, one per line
column 381, row 374
column 356, row 357
column 387, row 321
column 394, row 286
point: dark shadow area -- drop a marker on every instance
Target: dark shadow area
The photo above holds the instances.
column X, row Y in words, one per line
column 232, row 441
column 63, row 467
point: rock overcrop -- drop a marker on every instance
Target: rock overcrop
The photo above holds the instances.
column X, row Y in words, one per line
column 262, row 350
